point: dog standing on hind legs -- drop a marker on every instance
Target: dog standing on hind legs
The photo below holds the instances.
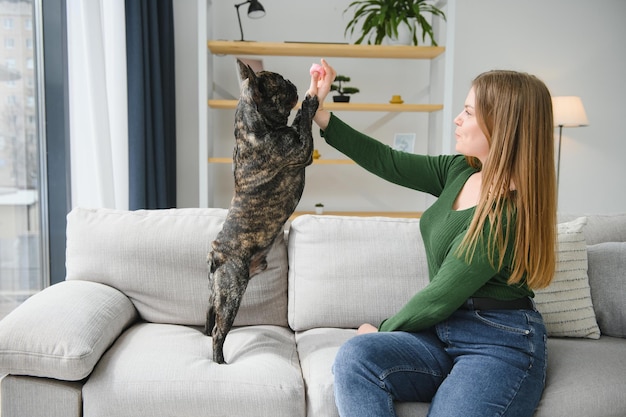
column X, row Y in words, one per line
column 269, row 159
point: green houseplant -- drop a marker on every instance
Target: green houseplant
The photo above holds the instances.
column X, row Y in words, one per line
column 343, row 91
column 381, row 19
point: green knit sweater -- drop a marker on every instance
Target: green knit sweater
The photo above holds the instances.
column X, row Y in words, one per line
column 452, row 279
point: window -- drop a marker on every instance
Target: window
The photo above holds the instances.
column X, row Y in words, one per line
column 21, row 239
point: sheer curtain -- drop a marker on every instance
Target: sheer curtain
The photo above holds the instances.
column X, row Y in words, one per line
column 98, row 103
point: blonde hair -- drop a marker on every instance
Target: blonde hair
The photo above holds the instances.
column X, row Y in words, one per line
column 514, row 111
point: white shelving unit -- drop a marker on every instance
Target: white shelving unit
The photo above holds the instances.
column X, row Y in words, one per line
column 235, row 48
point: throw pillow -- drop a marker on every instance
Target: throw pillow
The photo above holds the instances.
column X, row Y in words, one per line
column 62, row 331
column 607, row 278
column 566, row 304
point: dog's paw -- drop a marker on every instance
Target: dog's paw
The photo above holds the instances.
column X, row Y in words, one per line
column 309, row 106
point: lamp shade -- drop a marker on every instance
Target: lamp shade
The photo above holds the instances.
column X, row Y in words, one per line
column 255, row 10
column 569, row 111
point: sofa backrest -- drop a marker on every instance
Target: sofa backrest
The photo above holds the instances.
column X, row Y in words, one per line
column 345, row 271
column 601, row 227
column 158, row 259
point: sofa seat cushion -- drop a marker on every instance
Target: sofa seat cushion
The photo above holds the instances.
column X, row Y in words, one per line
column 159, row 370
column 317, row 349
column 158, row 258
column 585, row 378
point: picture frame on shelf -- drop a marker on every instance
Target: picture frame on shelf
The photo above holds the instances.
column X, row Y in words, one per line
column 404, row 142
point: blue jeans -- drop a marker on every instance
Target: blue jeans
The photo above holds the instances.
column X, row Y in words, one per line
column 477, row 363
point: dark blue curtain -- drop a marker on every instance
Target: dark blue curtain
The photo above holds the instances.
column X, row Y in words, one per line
column 151, row 104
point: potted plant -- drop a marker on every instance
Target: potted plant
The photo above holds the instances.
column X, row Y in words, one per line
column 342, row 90
column 382, row 18
column 319, row 208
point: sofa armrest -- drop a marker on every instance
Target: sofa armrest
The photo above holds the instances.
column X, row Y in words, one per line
column 62, row 331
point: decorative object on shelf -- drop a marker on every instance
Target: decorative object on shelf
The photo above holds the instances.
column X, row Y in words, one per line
column 255, row 11
column 381, row 19
column 319, row 208
column 316, row 154
column 404, row 142
column 396, row 99
column 568, row 111
column 343, row 91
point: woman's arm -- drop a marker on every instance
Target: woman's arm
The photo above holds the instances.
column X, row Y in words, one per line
column 453, row 282
column 320, row 87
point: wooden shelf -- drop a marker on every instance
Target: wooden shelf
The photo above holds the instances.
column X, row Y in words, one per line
column 381, row 107
column 315, row 161
column 324, row 50
column 396, row 214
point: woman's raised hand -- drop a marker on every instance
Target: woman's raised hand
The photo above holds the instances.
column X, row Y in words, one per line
column 322, row 76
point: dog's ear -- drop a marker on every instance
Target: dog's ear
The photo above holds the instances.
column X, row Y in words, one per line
column 245, row 71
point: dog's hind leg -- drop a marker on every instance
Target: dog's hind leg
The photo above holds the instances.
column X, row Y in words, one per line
column 210, row 314
column 229, row 284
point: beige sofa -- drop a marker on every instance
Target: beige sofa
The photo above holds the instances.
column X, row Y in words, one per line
column 122, row 336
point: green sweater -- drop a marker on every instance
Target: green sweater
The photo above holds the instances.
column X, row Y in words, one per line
column 451, row 279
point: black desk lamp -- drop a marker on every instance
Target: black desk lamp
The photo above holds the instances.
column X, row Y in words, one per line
column 255, row 11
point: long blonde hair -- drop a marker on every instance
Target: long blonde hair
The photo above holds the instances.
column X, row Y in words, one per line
column 514, row 111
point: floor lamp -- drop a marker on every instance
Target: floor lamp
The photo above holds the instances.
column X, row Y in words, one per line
column 568, row 111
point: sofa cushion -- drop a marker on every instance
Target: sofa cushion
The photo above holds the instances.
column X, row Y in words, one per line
column 62, row 331
column 317, row 349
column 345, row 271
column 162, row 370
column 566, row 303
column 585, row 378
column 600, row 227
column 158, row 259
column 607, row 278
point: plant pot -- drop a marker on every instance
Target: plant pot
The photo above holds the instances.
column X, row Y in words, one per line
column 341, row 99
column 319, row 210
column 404, row 36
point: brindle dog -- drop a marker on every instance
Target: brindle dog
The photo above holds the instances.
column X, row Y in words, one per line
column 269, row 162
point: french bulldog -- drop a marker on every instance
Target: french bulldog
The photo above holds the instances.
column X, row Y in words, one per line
column 269, row 160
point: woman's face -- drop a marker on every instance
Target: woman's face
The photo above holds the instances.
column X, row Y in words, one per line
column 470, row 139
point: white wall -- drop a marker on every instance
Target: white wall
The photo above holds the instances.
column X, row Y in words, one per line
column 577, row 48
column 191, row 95
column 573, row 45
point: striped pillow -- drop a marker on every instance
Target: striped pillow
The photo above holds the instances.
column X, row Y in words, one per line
column 566, row 303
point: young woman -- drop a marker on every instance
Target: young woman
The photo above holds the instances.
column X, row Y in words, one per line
column 471, row 342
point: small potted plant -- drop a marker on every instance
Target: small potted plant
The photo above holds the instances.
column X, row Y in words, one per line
column 343, row 91
column 381, row 19
column 319, row 208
